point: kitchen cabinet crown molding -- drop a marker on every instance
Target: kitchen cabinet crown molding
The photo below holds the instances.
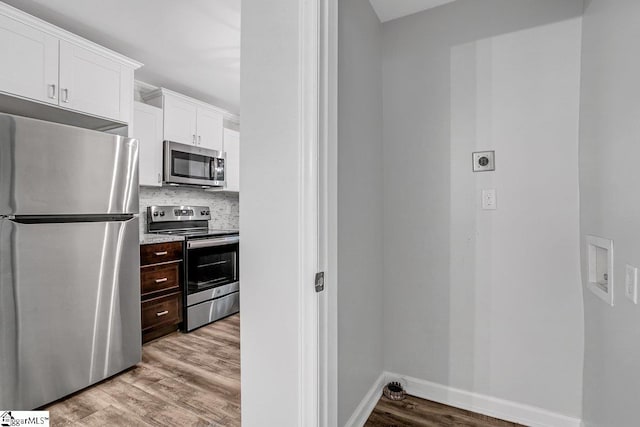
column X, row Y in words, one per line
column 65, row 35
column 167, row 92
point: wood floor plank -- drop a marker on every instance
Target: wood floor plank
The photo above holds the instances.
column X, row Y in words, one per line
column 110, row 416
column 183, row 379
column 417, row 412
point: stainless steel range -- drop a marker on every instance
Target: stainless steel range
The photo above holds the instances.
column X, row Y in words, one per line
column 212, row 289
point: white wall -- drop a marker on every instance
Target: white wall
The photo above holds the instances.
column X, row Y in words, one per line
column 359, row 204
column 487, row 302
column 610, row 207
column 270, row 199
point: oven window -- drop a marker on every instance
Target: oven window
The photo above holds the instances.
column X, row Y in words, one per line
column 189, row 165
column 212, row 267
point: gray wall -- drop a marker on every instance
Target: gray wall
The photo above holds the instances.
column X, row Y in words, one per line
column 487, row 302
column 609, row 177
column 359, row 204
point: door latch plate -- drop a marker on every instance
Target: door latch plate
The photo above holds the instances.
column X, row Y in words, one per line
column 320, row 281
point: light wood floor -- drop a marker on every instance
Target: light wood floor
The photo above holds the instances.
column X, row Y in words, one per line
column 184, row 380
column 416, row 412
column 194, row 380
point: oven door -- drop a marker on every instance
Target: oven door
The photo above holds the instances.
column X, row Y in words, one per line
column 212, row 268
column 191, row 165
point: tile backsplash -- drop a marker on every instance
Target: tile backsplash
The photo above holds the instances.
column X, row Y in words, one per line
column 224, row 206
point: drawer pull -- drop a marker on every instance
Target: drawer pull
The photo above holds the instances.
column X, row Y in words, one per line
column 164, row 279
column 161, row 253
column 162, row 313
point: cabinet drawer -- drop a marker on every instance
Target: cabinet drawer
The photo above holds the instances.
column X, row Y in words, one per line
column 160, row 252
column 161, row 312
column 159, row 278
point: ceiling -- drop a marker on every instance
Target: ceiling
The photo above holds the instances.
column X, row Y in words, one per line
column 392, row 9
column 191, row 47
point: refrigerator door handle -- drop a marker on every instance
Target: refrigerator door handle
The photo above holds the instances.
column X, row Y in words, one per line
column 71, row 219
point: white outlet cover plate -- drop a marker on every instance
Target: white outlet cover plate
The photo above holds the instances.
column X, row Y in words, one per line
column 489, row 200
column 631, row 283
column 484, row 161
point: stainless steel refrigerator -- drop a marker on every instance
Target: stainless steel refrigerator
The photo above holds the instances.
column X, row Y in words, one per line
column 69, row 259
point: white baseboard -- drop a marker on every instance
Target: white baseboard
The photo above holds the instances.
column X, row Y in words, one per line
column 365, row 408
column 482, row 404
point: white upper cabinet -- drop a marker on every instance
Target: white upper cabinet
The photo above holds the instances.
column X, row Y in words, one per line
column 147, row 129
column 210, row 126
column 46, row 64
column 93, row 84
column 187, row 120
column 30, row 61
column 180, row 118
column 232, row 161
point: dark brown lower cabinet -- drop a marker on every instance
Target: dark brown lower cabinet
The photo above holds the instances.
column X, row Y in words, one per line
column 161, row 289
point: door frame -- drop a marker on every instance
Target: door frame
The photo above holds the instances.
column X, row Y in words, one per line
column 318, row 212
column 300, row 120
column 319, row 56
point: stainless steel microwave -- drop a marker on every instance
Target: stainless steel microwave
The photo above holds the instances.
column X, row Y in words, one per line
column 193, row 166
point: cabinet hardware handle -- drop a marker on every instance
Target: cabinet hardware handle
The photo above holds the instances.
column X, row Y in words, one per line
column 65, row 95
column 164, row 279
column 194, row 138
column 199, row 139
column 159, row 179
column 52, row 91
column 162, row 313
column 161, row 253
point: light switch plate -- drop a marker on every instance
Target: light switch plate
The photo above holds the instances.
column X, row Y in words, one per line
column 631, row 283
column 484, row 161
column 489, row 200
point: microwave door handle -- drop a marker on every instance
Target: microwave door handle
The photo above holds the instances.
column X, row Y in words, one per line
column 221, row 178
column 214, row 169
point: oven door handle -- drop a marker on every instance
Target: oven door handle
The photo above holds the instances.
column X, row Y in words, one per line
column 208, row 243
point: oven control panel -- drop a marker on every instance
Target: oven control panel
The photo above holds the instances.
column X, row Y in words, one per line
column 178, row 213
column 183, row 212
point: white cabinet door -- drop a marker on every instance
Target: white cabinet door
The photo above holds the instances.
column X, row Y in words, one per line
column 147, row 129
column 93, row 84
column 232, row 163
column 29, row 61
column 179, row 120
column 210, row 126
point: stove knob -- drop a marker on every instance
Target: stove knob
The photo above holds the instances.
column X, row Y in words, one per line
column 161, row 213
column 207, row 213
column 155, row 213
column 203, row 212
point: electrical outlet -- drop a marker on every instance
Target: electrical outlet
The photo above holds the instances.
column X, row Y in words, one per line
column 489, row 201
column 631, row 283
column 484, row 161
